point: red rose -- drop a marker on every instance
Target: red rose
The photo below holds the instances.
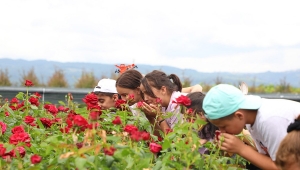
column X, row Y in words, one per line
column 183, row 100
column 117, row 121
column 34, row 101
column 217, row 133
column 80, row 121
column 46, row 122
column 130, row 128
column 13, row 107
column 109, row 151
column 28, row 83
column 189, row 111
column 46, row 106
column 19, row 137
column 130, row 97
column 79, row 145
column 3, row 127
column 57, row 120
column 136, row 136
column 20, row 105
column 139, row 105
column 155, row 148
column 17, row 129
column 52, row 109
column 14, row 100
column 61, row 108
column 94, row 115
column 29, row 120
column 35, row 159
column 19, row 149
column 36, row 94
column 2, row 150
column 120, row 104
column 145, row 136
column 90, row 100
column 6, row 114
column 158, row 100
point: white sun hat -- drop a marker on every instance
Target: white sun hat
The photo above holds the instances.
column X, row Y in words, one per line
column 106, row 86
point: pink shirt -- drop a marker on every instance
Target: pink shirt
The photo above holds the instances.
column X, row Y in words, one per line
column 173, row 108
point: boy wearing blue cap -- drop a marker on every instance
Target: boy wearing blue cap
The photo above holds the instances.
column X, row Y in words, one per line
column 266, row 120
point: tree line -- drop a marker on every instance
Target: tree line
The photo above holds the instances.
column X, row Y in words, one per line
column 89, row 80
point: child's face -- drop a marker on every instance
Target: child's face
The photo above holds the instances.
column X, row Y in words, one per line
column 153, row 100
column 107, row 102
column 148, row 99
column 124, row 92
column 233, row 125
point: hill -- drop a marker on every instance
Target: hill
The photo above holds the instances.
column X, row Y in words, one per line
column 44, row 69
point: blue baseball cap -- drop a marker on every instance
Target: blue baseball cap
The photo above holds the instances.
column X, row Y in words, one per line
column 224, row 99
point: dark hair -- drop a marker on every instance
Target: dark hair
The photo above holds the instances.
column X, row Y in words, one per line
column 157, row 79
column 130, row 79
column 196, row 104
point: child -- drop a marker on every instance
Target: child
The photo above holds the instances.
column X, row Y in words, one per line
column 129, row 84
column 106, row 93
column 266, row 119
column 288, row 154
column 207, row 133
column 157, row 85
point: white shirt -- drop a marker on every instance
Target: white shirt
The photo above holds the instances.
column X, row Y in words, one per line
column 271, row 122
column 134, row 110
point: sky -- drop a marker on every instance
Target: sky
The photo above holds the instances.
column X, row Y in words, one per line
column 208, row 36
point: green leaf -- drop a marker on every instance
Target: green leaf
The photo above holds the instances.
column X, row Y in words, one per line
column 40, row 124
column 113, row 138
column 130, row 162
column 33, row 107
column 79, row 163
column 20, row 96
column 109, row 160
column 157, row 165
column 61, row 103
column 52, row 139
column 166, row 144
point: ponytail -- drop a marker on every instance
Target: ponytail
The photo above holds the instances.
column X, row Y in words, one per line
column 294, row 126
column 175, row 79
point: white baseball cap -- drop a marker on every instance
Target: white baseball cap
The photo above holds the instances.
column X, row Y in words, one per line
column 106, row 86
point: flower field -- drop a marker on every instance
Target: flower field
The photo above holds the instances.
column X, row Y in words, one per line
column 35, row 135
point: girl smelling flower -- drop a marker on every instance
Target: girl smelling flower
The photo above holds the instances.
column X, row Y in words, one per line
column 159, row 92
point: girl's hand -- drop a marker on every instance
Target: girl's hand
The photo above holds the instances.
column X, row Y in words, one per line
column 150, row 110
column 230, row 143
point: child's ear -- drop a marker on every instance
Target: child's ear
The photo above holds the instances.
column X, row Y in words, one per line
column 115, row 97
column 239, row 115
column 163, row 90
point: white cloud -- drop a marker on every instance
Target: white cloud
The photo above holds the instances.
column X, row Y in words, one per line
column 242, row 36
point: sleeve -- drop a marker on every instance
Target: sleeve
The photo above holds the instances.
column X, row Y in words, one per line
column 273, row 131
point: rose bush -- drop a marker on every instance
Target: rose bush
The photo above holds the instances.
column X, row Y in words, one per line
column 36, row 135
